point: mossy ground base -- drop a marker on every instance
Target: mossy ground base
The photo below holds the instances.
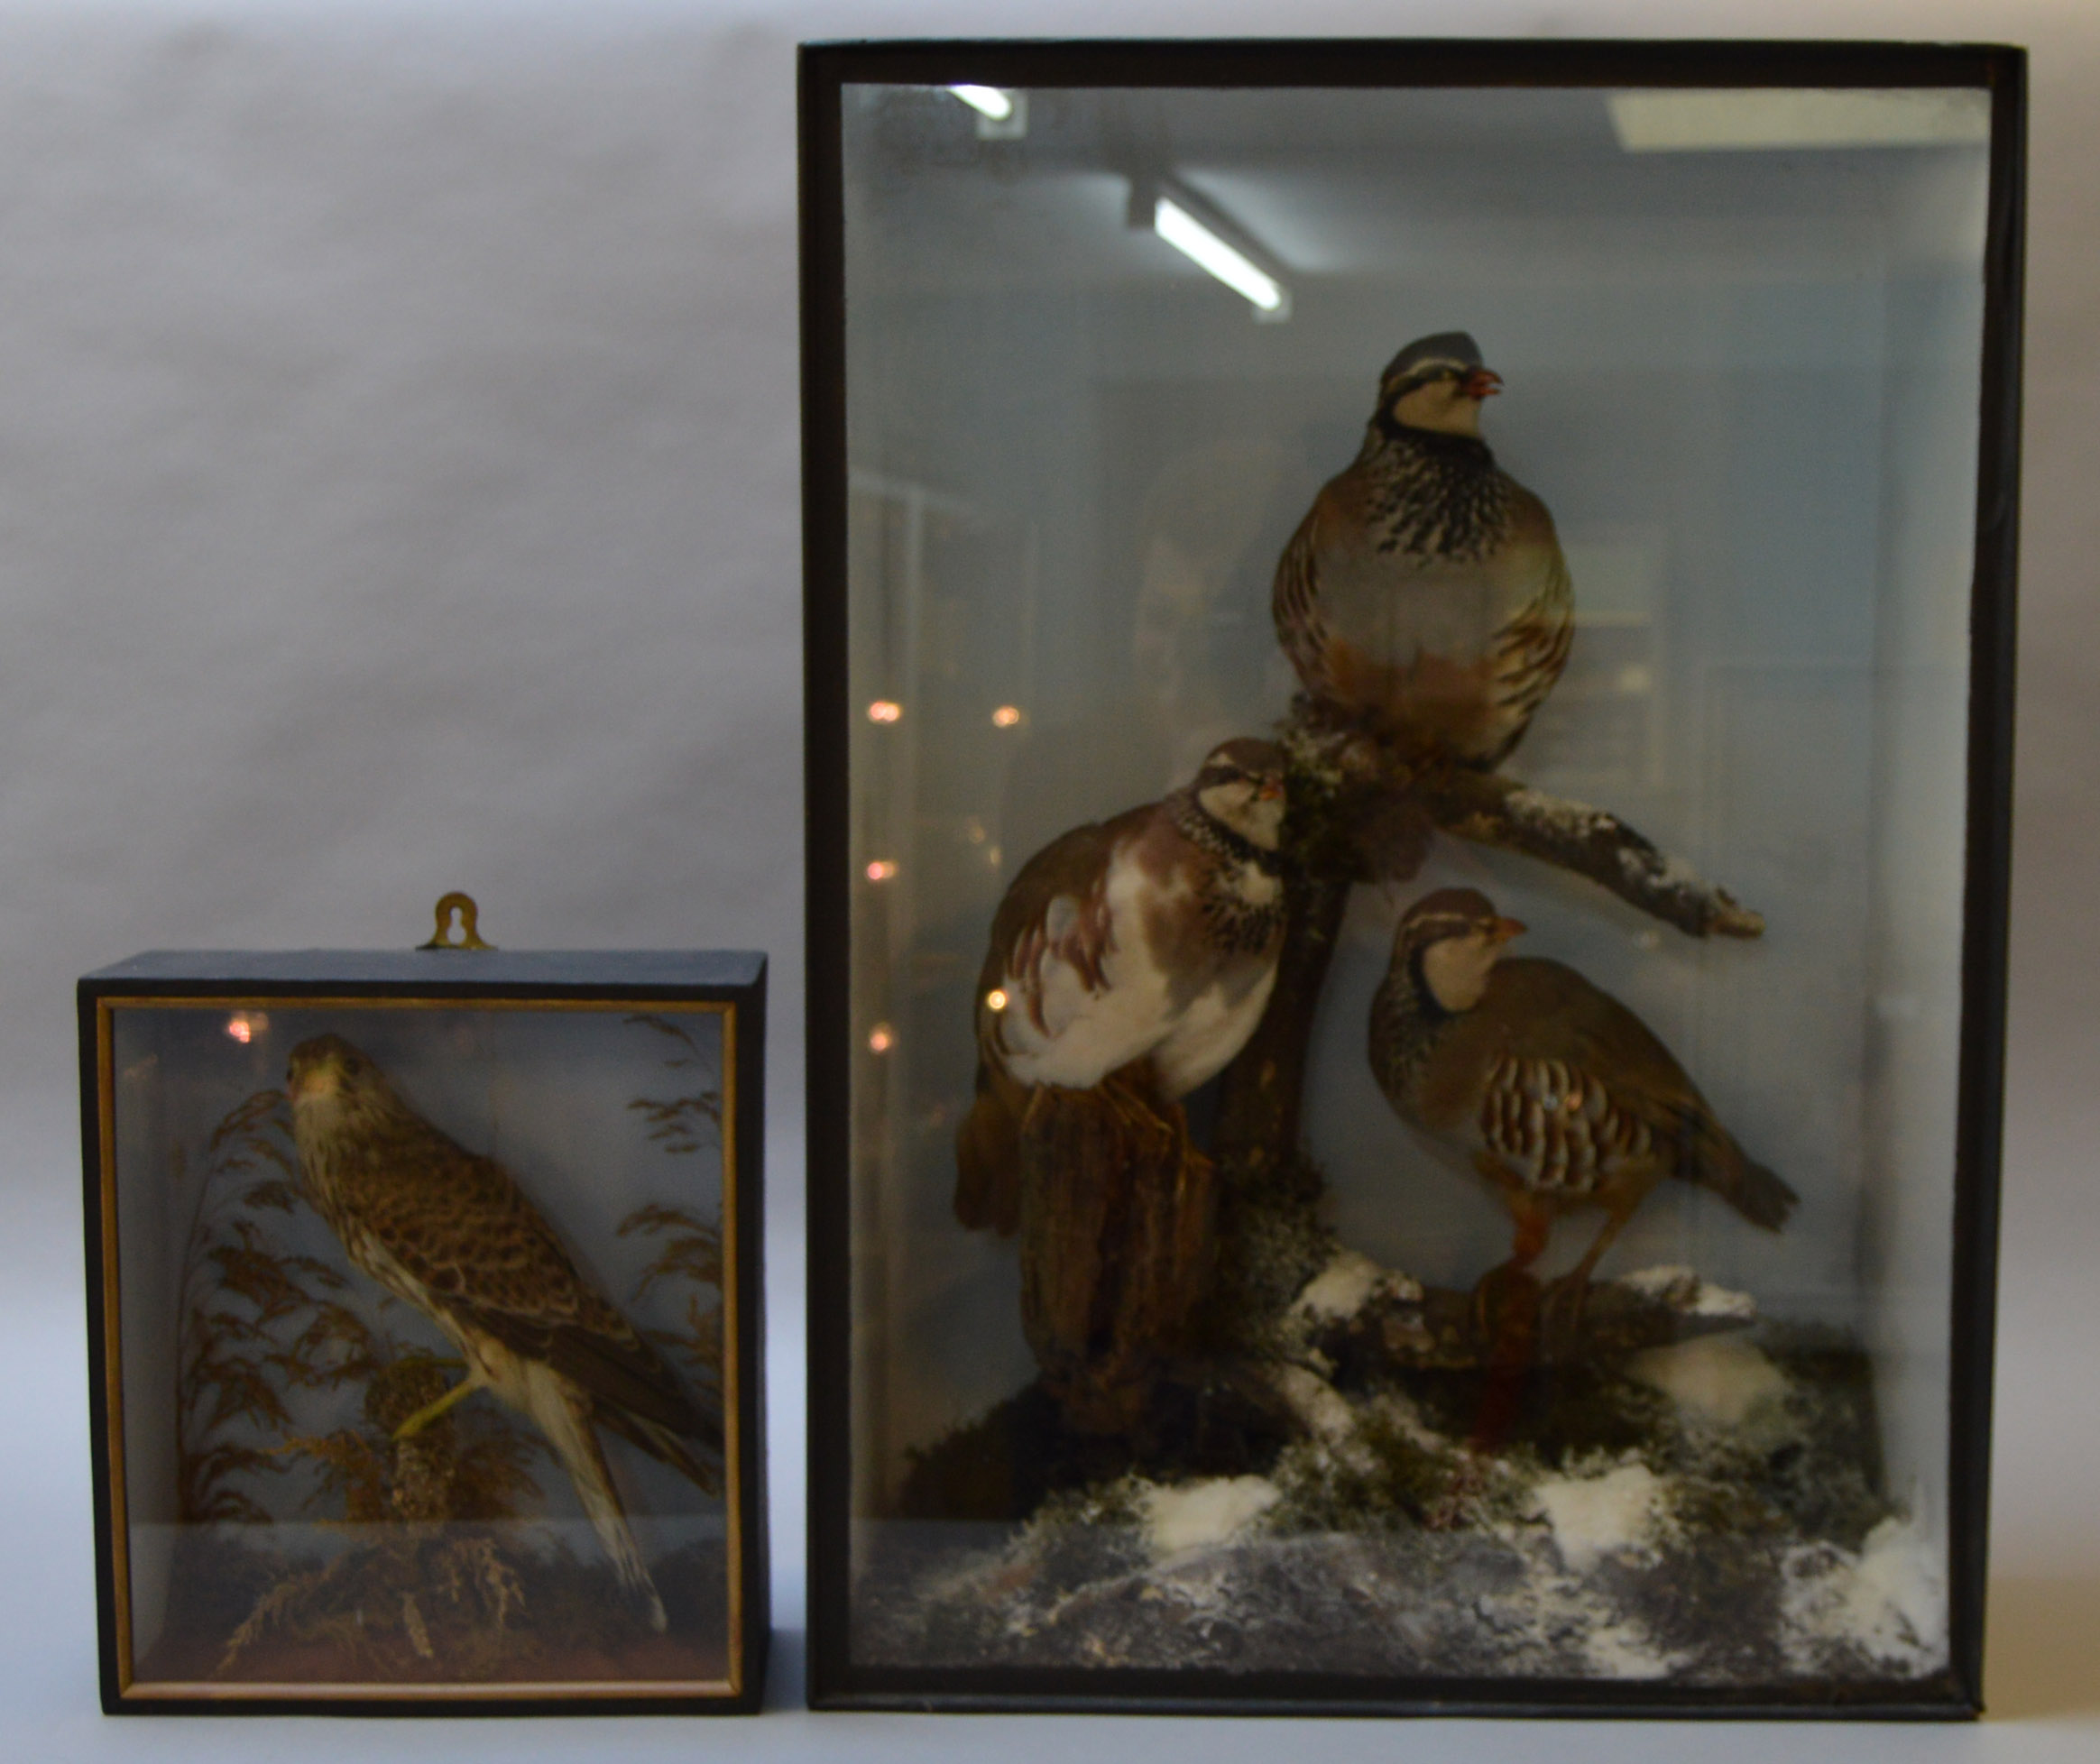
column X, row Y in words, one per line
column 1614, row 1529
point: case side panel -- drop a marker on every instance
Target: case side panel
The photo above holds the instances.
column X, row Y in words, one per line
column 827, row 942
column 1986, row 933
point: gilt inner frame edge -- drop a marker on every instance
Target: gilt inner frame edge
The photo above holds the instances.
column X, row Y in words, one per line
column 128, row 1685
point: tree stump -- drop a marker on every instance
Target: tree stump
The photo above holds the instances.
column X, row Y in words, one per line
column 1118, row 1242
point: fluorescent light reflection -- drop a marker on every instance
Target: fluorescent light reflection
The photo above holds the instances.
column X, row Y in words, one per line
column 1194, row 240
column 987, row 99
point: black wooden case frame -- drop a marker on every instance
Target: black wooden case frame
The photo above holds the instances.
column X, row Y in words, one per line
column 852, row 511
column 545, row 1043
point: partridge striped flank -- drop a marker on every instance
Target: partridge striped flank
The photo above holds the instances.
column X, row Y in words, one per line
column 1542, row 1083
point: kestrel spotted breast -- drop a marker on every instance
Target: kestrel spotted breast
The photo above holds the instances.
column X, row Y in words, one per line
column 452, row 1234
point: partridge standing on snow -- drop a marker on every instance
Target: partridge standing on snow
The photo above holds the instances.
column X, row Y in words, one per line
column 1424, row 596
column 1551, row 1087
column 1137, row 953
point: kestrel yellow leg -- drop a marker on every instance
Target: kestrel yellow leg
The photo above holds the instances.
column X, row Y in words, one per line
column 431, row 1411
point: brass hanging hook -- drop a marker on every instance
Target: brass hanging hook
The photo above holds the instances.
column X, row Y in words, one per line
column 460, row 905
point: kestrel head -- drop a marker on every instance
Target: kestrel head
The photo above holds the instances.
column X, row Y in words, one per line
column 1436, row 383
column 1241, row 786
column 1454, row 937
column 327, row 1066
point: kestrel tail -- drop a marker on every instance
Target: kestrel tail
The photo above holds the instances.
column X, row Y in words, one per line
column 451, row 1234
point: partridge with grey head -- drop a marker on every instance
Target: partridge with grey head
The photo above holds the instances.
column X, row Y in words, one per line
column 1424, row 595
column 1546, row 1084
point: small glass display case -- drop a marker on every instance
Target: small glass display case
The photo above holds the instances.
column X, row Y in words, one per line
column 1409, row 659
column 425, row 1328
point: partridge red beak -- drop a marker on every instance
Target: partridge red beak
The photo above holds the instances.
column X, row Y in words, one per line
column 1482, row 382
column 1505, row 928
column 1269, row 790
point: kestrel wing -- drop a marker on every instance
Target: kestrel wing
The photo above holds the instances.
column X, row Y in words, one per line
column 485, row 1253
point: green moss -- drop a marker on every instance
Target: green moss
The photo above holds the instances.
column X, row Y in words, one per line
column 1388, row 1479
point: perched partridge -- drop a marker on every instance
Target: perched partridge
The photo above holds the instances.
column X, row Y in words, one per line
column 452, row 1234
column 1424, row 595
column 1140, row 950
column 1550, row 1088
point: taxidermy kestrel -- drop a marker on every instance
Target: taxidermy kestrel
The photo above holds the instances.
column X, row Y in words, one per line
column 452, row 1234
column 1144, row 946
column 1547, row 1085
column 1424, row 594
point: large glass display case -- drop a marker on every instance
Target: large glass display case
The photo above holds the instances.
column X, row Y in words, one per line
column 1409, row 659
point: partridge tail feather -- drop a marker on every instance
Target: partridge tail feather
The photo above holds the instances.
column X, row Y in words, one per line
column 1759, row 1196
column 987, row 1156
column 1751, row 1189
column 563, row 1414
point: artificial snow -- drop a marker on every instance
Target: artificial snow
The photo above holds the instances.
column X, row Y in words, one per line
column 1718, row 1379
column 1539, row 810
column 1593, row 1517
column 1323, row 1410
column 1683, row 1290
column 1888, row 1602
column 1195, row 1515
column 1742, row 1539
column 1347, row 1283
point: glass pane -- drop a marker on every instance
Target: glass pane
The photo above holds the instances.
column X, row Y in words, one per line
column 386, row 1418
column 1103, row 353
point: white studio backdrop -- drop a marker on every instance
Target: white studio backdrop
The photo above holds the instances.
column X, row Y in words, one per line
column 399, row 492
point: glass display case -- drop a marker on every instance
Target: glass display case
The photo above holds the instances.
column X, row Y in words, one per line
column 1409, row 657
column 425, row 1330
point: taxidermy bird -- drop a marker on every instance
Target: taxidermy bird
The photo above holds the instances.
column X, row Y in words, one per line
column 1548, row 1086
column 452, row 1234
column 1137, row 955
column 1424, row 596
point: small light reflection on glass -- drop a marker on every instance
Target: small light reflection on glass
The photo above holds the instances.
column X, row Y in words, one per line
column 885, row 710
column 881, row 1039
column 881, row 870
column 1006, row 716
column 243, row 1026
column 989, row 100
column 996, row 1000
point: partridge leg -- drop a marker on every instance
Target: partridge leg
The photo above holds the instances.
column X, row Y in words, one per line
column 1508, row 1326
column 1573, row 1289
column 1534, row 1224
